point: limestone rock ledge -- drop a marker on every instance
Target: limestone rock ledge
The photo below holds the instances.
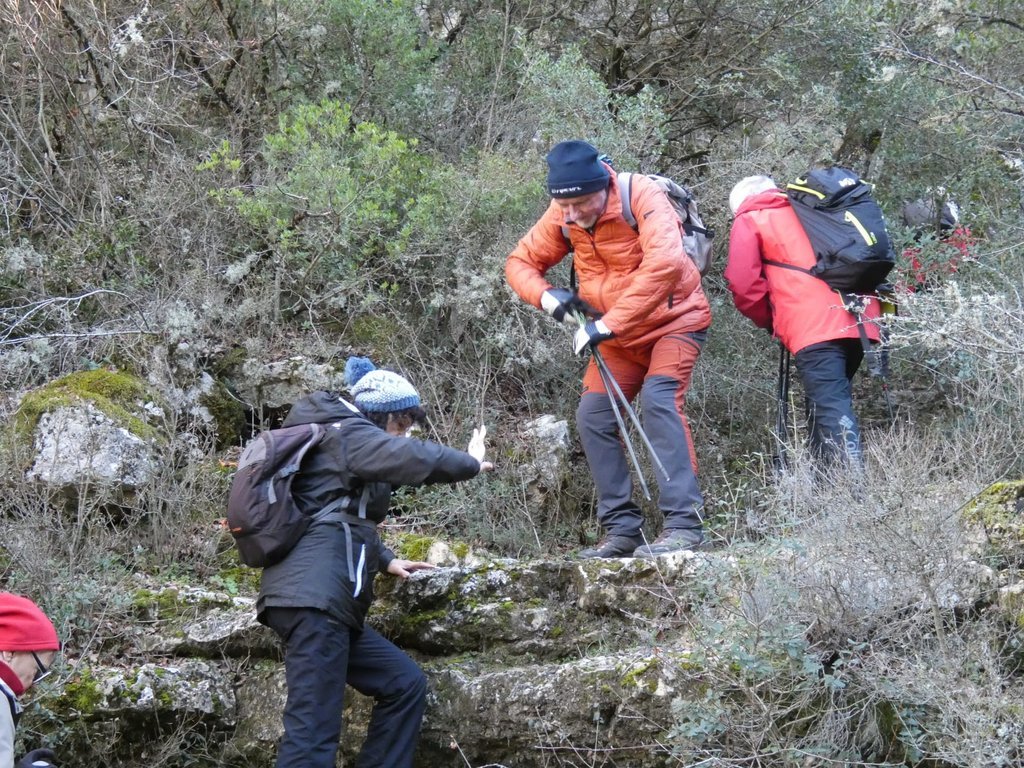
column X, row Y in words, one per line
column 525, row 659
column 530, row 663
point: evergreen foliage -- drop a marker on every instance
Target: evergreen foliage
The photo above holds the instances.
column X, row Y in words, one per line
column 185, row 187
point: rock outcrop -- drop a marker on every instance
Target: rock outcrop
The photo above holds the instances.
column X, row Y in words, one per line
column 531, row 663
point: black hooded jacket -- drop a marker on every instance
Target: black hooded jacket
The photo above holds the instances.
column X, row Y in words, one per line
column 333, row 565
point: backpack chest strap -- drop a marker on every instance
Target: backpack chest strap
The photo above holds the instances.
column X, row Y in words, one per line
column 340, row 510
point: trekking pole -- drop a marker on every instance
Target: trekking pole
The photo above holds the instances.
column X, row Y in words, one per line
column 782, row 417
column 876, row 354
column 613, row 390
column 607, row 376
column 612, row 386
column 882, row 355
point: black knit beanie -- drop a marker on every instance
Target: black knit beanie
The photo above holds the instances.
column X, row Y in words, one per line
column 574, row 170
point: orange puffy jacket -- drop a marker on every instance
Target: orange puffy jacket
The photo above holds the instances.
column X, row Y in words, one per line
column 643, row 282
column 800, row 309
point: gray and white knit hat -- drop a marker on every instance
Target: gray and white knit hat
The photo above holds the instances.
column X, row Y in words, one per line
column 376, row 390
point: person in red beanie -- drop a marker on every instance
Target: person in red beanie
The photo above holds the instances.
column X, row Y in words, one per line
column 28, row 647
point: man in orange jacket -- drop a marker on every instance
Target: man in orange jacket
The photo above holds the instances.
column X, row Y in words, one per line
column 769, row 259
column 650, row 316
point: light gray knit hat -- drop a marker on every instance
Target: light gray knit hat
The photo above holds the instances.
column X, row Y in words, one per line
column 374, row 390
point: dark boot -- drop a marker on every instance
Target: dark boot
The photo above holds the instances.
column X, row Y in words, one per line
column 672, row 540
column 613, row 545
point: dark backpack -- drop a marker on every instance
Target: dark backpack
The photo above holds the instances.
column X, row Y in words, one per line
column 696, row 237
column 262, row 515
column 846, row 229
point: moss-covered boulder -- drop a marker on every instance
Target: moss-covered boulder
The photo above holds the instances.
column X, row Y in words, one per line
column 998, row 515
column 192, row 621
column 120, row 716
column 537, row 609
column 100, row 428
column 124, row 398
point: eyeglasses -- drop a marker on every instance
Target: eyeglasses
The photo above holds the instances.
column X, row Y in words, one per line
column 42, row 671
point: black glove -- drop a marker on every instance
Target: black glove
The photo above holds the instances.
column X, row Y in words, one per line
column 590, row 335
column 37, row 758
column 559, row 302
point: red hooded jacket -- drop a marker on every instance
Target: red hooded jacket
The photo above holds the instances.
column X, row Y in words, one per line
column 643, row 282
column 798, row 308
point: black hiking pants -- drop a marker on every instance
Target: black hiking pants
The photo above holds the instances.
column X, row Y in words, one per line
column 826, row 371
column 321, row 656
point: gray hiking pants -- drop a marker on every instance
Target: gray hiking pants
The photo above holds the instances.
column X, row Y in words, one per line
column 661, row 399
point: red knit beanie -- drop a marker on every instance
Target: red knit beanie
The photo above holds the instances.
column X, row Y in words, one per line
column 23, row 627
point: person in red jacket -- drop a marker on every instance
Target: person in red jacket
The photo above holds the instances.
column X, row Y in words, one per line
column 28, row 647
column 769, row 255
column 650, row 316
column 955, row 243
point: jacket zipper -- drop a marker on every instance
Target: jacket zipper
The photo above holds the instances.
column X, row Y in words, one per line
column 604, row 277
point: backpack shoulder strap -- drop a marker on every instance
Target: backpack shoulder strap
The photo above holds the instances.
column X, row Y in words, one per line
column 316, row 433
column 12, row 702
column 625, row 181
column 784, row 265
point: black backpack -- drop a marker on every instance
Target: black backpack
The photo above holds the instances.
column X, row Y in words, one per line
column 846, row 229
column 851, row 244
column 262, row 515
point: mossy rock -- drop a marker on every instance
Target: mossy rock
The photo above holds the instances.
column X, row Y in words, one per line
column 237, row 579
column 117, row 394
column 229, row 415
column 999, row 510
column 373, row 331
column 82, row 693
column 153, row 606
column 230, row 364
column 419, row 547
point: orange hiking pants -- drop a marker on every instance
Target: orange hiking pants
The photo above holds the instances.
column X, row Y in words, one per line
column 661, row 375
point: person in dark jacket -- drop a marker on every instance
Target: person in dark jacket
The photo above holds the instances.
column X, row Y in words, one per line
column 316, row 599
column 28, row 647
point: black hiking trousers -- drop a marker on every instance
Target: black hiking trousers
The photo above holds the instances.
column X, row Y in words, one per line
column 826, row 371
column 321, row 656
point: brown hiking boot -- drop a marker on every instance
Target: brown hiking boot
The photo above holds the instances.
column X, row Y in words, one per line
column 612, row 545
column 672, row 540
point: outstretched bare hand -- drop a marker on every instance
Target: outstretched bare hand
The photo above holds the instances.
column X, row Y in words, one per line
column 403, row 569
column 477, row 448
